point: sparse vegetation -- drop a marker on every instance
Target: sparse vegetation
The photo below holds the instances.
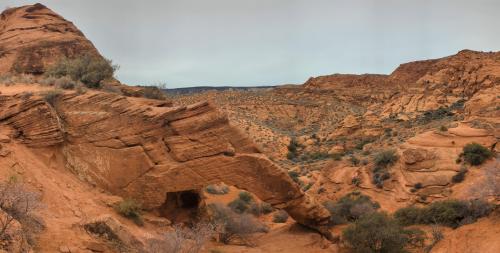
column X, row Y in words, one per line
column 65, row 83
column 460, row 176
column 292, row 149
column 382, row 161
column 51, row 96
column 217, row 189
column 129, row 208
column 437, row 235
column 443, row 128
column 245, row 196
column 350, row 208
column 354, row 161
column 153, row 92
column 452, row 213
column 385, row 158
column 280, row 217
column 183, row 239
column 475, row 154
column 231, row 225
column 89, row 69
column 378, row 232
column 18, row 204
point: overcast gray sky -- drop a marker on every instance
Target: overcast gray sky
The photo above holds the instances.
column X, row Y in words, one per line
column 267, row 42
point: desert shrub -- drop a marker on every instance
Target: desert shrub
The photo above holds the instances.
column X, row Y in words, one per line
column 26, row 94
column 385, row 158
column 418, row 186
column 314, row 156
column 51, row 96
column 361, row 143
column 238, row 206
column 408, row 215
column 350, row 208
column 294, row 175
column 217, row 189
column 356, row 181
column 254, row 208
column 129, row 208
column 6, row 79
column 293, row 145
column 451, row 213
column 475, row 154
column 443, row 128
column 437, row 235
column 382, row 161
column 231, row 225
column 379, row 176
column 440, row 113
column 183, row 239
column 460, row 176
column 292, row 149
column 88, row 69
column 280, row 217
column 48, row 81
column 337, row 156
column 354, row 161
column 377, row 232
column 266, row 207
column 245, row 196
column 153, row 92
column 18, row 203
column 307, row 187
column 65, row 83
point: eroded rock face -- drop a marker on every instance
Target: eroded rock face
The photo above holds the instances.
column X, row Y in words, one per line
column 35, row 121
column 134, row 149
column 33, row 37
column 419, row 86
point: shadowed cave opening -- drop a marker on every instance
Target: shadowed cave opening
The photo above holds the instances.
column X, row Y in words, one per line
column 181, row 206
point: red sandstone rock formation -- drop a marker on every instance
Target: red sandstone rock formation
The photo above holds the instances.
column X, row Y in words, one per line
column 33, row 36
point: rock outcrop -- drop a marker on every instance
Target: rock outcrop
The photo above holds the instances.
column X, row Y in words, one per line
column 419, row 86
column 33, row 37
column 142, row 151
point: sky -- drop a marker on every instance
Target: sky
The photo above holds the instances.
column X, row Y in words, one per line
column 186, row 43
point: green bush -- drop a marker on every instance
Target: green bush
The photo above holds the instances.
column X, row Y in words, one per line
column 245, row 196
column 354, row 161
column 280, row 217
column 350, row 208
column 88, row 69
column 217, row 189
column 377, row 232
column 476, row 154
column 238, row 206
column 460, row 176
column 451, row 213
column 294, row 175
column 129, row 208
column 385, row 158
column 408, row 215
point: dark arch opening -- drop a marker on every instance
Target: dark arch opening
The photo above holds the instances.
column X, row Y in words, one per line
column 189, row 199
column 181, row 206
